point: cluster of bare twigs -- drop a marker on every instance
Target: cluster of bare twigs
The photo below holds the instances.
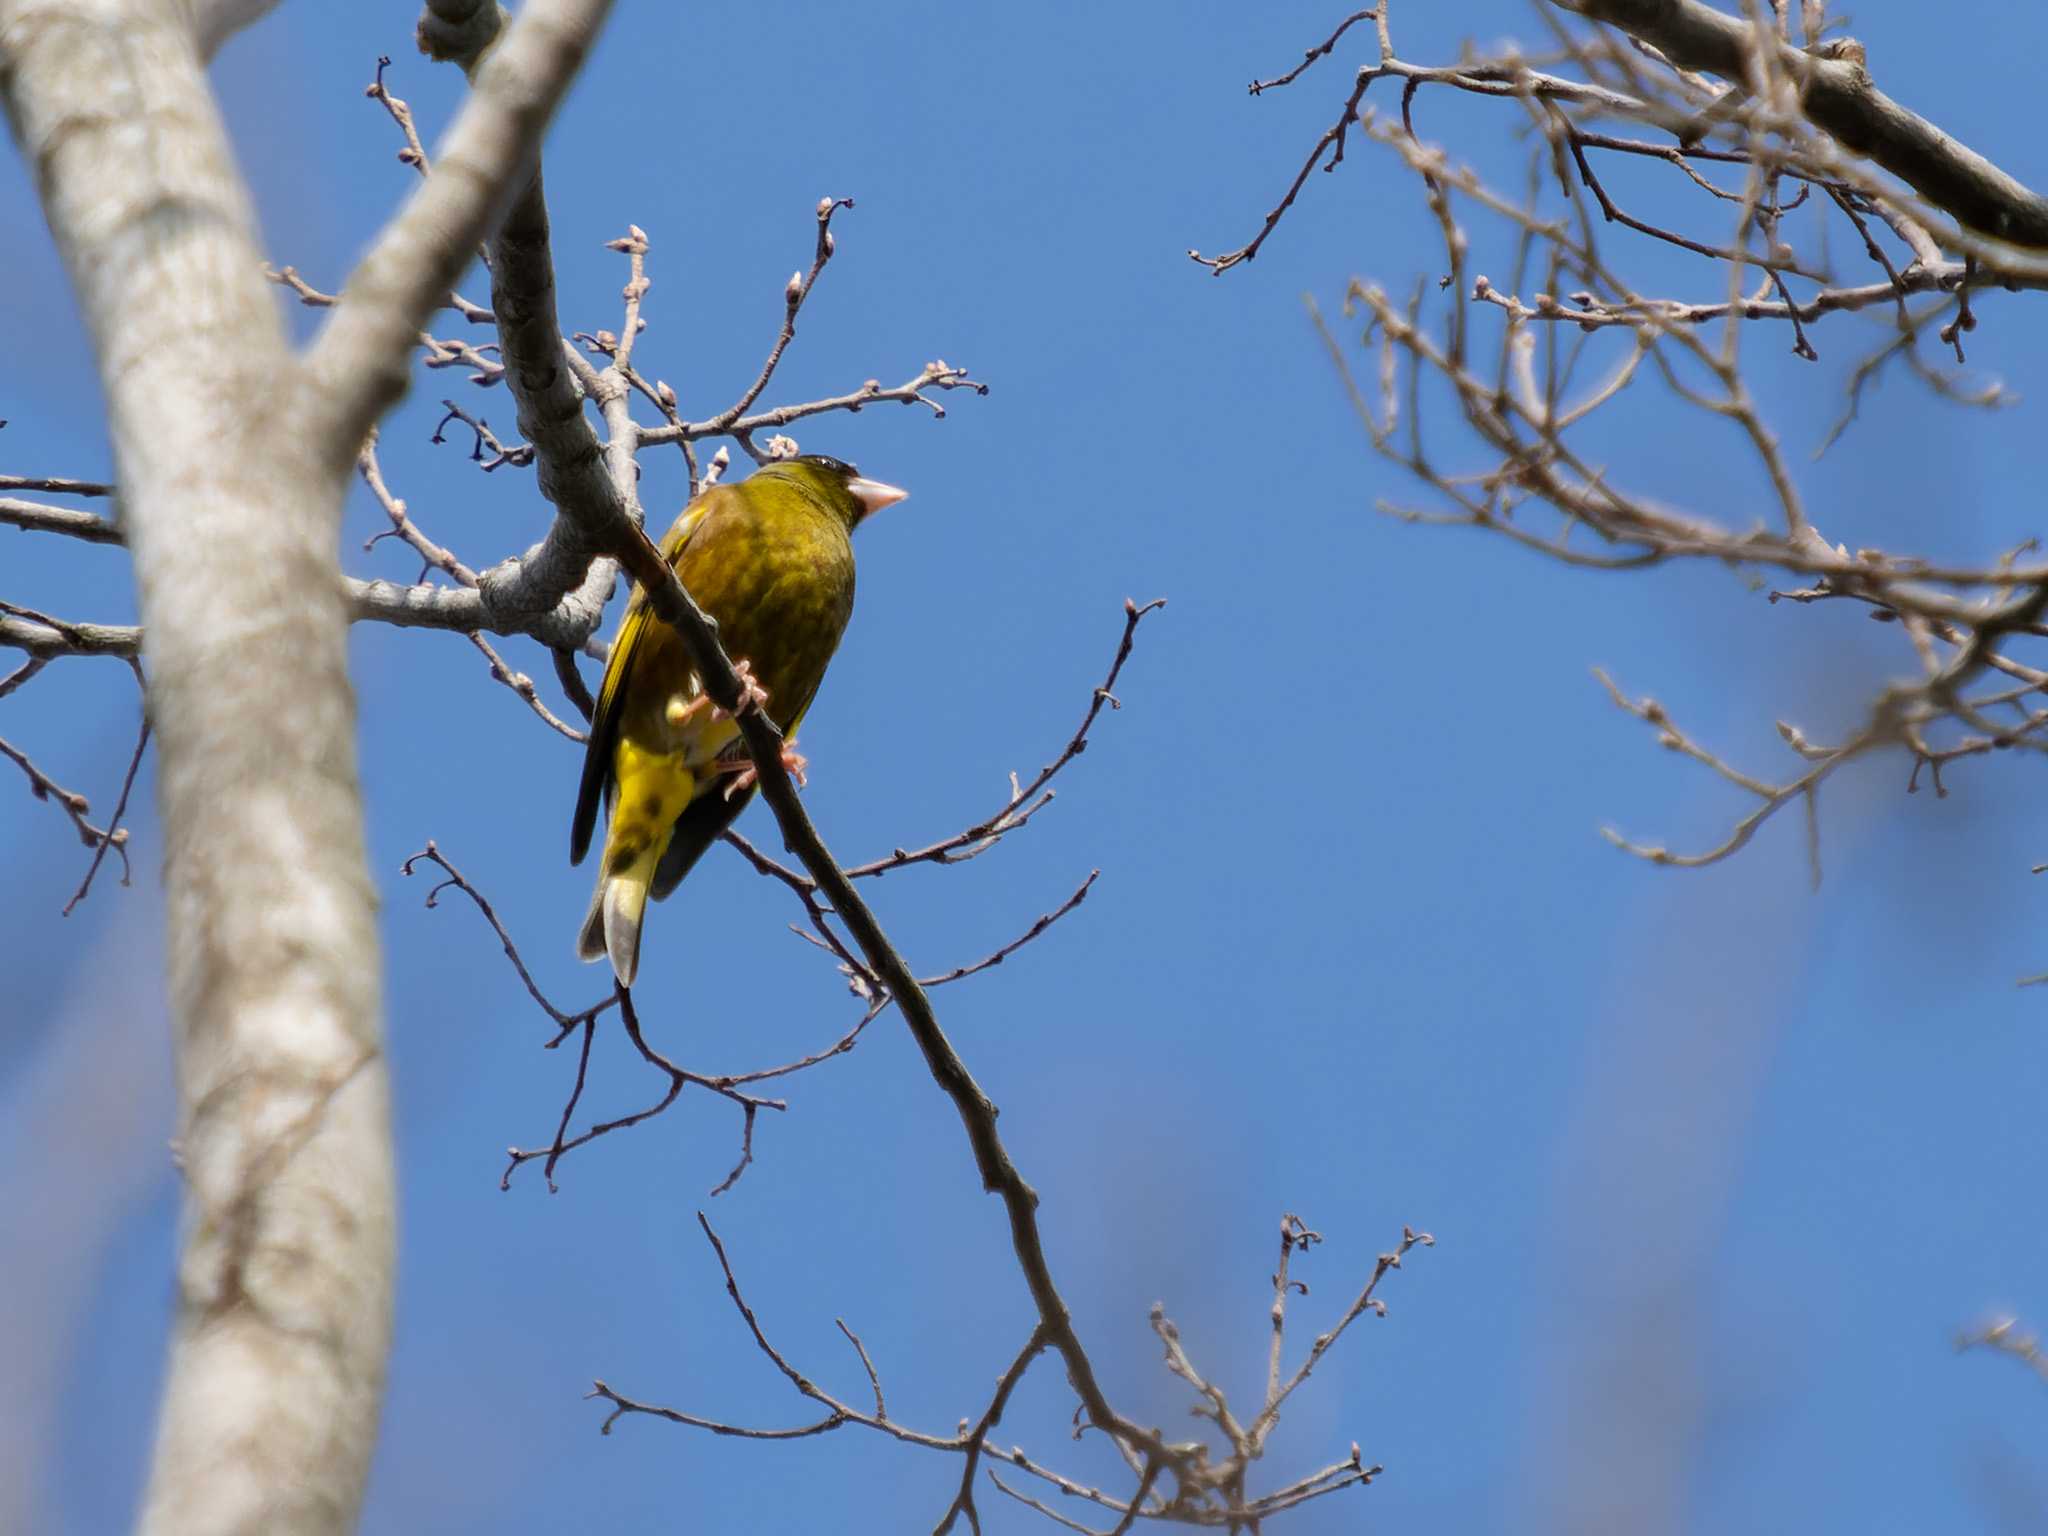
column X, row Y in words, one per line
column 1775, row 137
column 1181, row 1481
column 31, row 625
column 522, row 596
column 2007, row 1337
column 1208, row 1492
column 1025, row 801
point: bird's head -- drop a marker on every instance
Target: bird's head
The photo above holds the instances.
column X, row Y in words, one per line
column 837, row 484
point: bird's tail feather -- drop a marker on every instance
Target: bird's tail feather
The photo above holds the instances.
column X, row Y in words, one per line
column 612, row 926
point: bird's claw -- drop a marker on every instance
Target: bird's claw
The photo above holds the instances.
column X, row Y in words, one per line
column 685, row 707
column 794, row 763
column 751, row 692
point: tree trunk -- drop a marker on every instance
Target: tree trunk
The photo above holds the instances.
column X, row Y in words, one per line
column 284, row 1286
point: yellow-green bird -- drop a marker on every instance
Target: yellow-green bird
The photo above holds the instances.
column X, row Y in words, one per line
column 771, row 559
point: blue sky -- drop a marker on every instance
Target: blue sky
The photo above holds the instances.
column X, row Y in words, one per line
column 1717, row 1165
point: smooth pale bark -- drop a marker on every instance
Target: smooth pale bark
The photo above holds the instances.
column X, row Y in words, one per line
column 284, row 1285
column 232, row 456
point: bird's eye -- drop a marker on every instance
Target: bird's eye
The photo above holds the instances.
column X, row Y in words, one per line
column 826, row 462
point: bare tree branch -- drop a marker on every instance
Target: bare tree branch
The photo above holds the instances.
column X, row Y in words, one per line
column 357, row 363
column 999, row 955
column 1840, row 98
column 1521, row 401
column 2006, row 1337
column 39, row 517
column 1026, row 800
column 492, row 607
column 56, row 483
column 1208, row 1495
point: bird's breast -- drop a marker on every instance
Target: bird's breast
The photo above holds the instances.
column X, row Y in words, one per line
column 782, row 607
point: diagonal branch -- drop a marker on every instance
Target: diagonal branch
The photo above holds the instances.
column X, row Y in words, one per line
column 1838, row 96
column 999, row 1174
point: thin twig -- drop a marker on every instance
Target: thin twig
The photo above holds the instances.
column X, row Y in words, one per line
column 997, row 957
column 1026, row 800
column 1321, row 50
column 116, row 834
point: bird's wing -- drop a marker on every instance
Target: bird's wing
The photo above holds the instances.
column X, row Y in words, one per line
column 702, row 823
column 618, row 669
column 696, row 829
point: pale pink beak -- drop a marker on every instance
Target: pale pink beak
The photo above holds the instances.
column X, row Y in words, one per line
column 873, row 495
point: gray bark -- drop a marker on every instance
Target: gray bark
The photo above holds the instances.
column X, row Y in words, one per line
column 232, row 458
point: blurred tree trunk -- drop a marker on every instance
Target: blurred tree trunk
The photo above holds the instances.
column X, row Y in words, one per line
column 232, row 454
column 284, row 1285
